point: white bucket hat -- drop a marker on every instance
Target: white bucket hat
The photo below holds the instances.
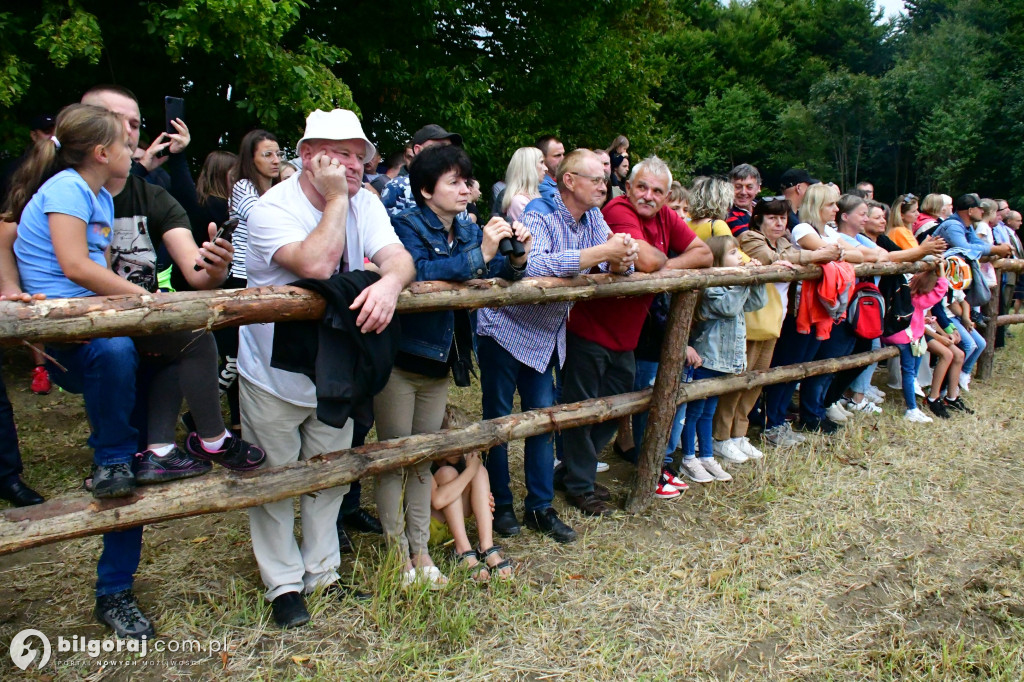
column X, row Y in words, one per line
column 338, row 124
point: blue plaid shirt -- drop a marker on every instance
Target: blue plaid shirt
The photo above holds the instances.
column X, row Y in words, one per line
column 532, row 333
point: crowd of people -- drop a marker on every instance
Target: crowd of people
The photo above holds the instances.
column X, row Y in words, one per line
column 91, row 212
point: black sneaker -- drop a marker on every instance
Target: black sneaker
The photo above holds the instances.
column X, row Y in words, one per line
column 120, row 611
column 235, row 453
column 505, row 522
column 959, row 405
column 937, row 408
column 362, row 521
column 546, row 521
column 153, row 468
column 289, row 610
column 114, row 480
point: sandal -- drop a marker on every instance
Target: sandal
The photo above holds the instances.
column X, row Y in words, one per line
column 496, row 569
column 476, row 568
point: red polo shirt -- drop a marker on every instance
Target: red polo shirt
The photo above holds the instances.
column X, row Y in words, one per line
column 615, row 323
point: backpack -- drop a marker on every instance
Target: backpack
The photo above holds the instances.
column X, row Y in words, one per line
column 899, row 307
column 866, row 312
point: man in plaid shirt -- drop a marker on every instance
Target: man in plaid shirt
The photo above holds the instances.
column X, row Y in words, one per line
column 520, row 345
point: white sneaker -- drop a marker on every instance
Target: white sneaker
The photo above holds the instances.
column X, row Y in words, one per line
column 835, row 413
column 712, row 467
column 793, row 435
column 693, row 470
column 965, row 382
column 726, row 449
column 875, row 396
column 866, row 405
column 917, row 416
column 747, row 448
column 602, row 467
column 844, row 408
column 918, row 391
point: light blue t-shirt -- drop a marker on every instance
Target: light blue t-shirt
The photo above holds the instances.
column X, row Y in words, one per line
column 67, row 193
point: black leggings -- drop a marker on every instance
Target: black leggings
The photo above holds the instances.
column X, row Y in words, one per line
column 184, row 365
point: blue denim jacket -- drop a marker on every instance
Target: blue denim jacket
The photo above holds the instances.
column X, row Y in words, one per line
column 961, row 236
column 721, row 336
column 429, row 335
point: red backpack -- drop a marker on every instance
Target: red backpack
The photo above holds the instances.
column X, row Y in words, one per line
column 866, row 311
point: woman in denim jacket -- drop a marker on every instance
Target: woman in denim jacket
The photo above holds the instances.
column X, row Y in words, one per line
column 721, row 341
column 445, row 246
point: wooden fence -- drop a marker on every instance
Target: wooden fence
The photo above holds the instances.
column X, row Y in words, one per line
column 79, row 515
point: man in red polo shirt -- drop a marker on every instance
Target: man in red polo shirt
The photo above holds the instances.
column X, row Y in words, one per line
column 602, row 334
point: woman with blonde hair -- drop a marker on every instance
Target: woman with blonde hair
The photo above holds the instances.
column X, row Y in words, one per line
column 522, row 180
column 710, row 201
column 903, row 215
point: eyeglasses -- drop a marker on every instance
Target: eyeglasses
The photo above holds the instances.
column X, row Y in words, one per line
column 279, row 154
column 596, row 179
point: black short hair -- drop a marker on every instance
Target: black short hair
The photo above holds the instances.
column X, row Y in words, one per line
column 395, row 160
column 544, row 142
column 108, row 87
column 433, row 162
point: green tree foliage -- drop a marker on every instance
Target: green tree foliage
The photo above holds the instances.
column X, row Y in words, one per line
column 928, row 101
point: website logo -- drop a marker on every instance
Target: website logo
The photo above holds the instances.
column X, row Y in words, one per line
column 24, row 654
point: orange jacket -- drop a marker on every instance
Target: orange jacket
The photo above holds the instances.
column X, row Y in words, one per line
column 834, row 289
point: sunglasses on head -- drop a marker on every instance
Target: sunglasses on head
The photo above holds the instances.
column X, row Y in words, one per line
column 908, row 199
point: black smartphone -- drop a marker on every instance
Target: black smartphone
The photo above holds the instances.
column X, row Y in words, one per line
column 224, row 231
column 174, row 107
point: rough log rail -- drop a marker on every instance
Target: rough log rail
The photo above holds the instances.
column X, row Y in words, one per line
column 83, row 318
column 81, row 515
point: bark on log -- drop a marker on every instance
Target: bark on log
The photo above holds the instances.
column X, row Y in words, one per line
column 988, row 356
column 1009, row 319
column 133, row 315
column 81, row 515
column 666, row 385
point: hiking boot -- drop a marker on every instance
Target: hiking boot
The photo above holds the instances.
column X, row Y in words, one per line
column 120, row 611
column 235, row 453
column 40, row 380
column 546, row 521
column 113, row 480
column 937, row 408
column 153, row 468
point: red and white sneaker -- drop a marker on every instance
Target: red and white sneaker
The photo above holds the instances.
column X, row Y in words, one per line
column 668, row 475
column 666, row 491
column 40, row 380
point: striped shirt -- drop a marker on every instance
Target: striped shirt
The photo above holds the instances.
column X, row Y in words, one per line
column 532, row 333
column 243, row 197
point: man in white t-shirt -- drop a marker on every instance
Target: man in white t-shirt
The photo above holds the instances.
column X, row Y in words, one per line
column 312, row 225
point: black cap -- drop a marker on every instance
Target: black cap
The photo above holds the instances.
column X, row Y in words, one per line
column 795, row 176
column 966, row 202
column 41, row 122
column 435, row 132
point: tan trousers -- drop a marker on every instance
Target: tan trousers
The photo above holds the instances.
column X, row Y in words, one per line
column 731, row 415
column 410, row 403
column 289, row 433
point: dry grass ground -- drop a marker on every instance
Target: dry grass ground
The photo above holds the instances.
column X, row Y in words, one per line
column 890, row 551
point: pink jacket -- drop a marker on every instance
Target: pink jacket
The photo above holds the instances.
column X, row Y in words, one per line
column 922, row 302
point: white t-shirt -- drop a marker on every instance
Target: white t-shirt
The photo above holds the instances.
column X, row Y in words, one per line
column 285, row 216
column 830, row 235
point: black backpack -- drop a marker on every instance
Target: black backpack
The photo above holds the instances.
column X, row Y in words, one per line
column 899, row 307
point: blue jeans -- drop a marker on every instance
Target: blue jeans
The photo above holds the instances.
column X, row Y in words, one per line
column 813, row 389
column 971, row 342
column 863, row 380
column 791, row 348
column 909, row 364
column 501, row 375
column 646, row 373
column 699, row 426
column 103, row 371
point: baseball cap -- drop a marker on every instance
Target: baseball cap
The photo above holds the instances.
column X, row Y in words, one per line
column 337, row 124
column 42, row 122
column 435, row 132
column 795, row 176
column 965, row 202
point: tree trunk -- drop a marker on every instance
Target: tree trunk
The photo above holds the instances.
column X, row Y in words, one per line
column 72, row 319
column 666, row 387
column 81, row 515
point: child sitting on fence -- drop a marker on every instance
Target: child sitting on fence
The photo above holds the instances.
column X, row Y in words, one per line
column 720, row 338
column 460, row 488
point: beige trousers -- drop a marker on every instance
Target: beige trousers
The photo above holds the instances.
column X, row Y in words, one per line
column 731, row 419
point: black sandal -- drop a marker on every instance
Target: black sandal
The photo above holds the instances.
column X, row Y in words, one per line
column 496, row 569
column 473, row 569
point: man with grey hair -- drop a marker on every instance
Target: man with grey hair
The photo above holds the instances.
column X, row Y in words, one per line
column 746, row 183
column 603, row 334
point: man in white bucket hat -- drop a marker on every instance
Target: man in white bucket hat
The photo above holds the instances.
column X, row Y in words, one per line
column 313, row 224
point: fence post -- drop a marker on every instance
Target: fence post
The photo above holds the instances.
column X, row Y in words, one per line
column 663, row 401
column 987, row 359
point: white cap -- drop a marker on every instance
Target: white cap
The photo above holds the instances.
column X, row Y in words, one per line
column 338, row 124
